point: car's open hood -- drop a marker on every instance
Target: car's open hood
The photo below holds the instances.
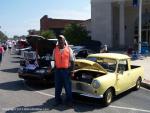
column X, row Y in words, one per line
column 87, row 64
column 41, row 45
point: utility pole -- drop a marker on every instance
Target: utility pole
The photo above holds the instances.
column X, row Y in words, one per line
column 140, row 26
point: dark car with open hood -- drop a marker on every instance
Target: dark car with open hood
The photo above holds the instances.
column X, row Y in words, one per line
column 37, row 64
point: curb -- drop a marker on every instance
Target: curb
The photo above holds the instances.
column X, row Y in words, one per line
column 145, row 85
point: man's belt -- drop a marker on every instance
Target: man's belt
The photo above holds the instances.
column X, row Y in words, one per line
column 61, row 68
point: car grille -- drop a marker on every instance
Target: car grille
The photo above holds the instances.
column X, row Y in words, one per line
column 83, row 87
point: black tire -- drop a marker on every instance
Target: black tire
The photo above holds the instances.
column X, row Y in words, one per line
column 108, row 97
column 138, row 84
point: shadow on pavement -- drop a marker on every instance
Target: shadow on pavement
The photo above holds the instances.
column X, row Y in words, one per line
column 81, row 104
column 21, row 85
column 12, row 70
column 122, row 95
column 37, row 85
column 13, row 85
column 49, row 105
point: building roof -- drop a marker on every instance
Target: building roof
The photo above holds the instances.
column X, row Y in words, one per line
column 61, row 23
column 57, row 23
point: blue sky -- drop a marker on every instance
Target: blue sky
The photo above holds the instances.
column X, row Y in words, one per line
column 18, row 16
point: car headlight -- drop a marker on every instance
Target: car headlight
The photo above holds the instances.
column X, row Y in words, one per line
column 95, row 84
column 41, row 71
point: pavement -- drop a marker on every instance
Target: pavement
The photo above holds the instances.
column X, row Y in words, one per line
column 145, row 62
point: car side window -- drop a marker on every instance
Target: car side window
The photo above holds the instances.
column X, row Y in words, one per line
column 123, row 65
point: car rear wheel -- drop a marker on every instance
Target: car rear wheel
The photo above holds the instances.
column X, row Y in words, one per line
column 108, row 97
column 138, row 84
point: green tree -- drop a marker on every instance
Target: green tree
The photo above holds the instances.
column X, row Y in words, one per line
column 48, row 34
column 76, row 34
column 15, row 37
column 3, row 37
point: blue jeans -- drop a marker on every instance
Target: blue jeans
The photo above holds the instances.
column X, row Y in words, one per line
column 63, row 79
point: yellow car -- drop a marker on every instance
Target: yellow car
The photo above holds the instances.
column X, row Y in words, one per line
column 104, row 75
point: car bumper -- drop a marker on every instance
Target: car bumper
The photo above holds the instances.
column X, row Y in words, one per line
column 30, row 76
column 35, row 76
column 85, row 89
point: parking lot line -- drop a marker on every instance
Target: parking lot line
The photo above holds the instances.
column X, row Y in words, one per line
column 42, row 93
column 127, row 108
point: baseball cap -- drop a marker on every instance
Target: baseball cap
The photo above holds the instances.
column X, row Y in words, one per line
column 60, row 37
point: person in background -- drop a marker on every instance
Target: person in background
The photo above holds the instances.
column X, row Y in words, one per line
column 4, row 45
column 135, row 44
column 10, row 44
column 1, row 53
column 129, row 51
column 104, row 49
column 64, row 65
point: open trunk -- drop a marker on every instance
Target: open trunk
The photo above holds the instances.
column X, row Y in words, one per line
column 86, row 76
column 42, row 50
column 41, row 45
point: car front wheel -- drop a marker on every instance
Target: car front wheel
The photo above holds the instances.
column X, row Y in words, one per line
column 108, row 96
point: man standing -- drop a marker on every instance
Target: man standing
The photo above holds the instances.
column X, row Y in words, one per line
column 64, row 64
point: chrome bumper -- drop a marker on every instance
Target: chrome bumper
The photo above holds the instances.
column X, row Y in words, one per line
column 85, row 89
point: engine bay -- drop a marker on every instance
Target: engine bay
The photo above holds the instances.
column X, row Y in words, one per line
column 86, row 76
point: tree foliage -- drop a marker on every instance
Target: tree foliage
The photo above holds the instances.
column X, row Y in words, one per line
column 15, row 37
column 76, row 34
column 3, row 37
column 48, row 34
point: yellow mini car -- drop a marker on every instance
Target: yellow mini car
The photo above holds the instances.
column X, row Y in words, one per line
column 104, row 75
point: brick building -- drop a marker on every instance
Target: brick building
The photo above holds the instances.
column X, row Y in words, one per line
column 56, row 25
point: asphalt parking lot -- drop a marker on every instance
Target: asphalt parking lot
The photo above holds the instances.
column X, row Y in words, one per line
column 17, row 96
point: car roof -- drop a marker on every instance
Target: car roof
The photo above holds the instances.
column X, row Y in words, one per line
column 116, row 56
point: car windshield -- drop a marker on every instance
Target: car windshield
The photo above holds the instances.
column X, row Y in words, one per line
column 106, row 63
